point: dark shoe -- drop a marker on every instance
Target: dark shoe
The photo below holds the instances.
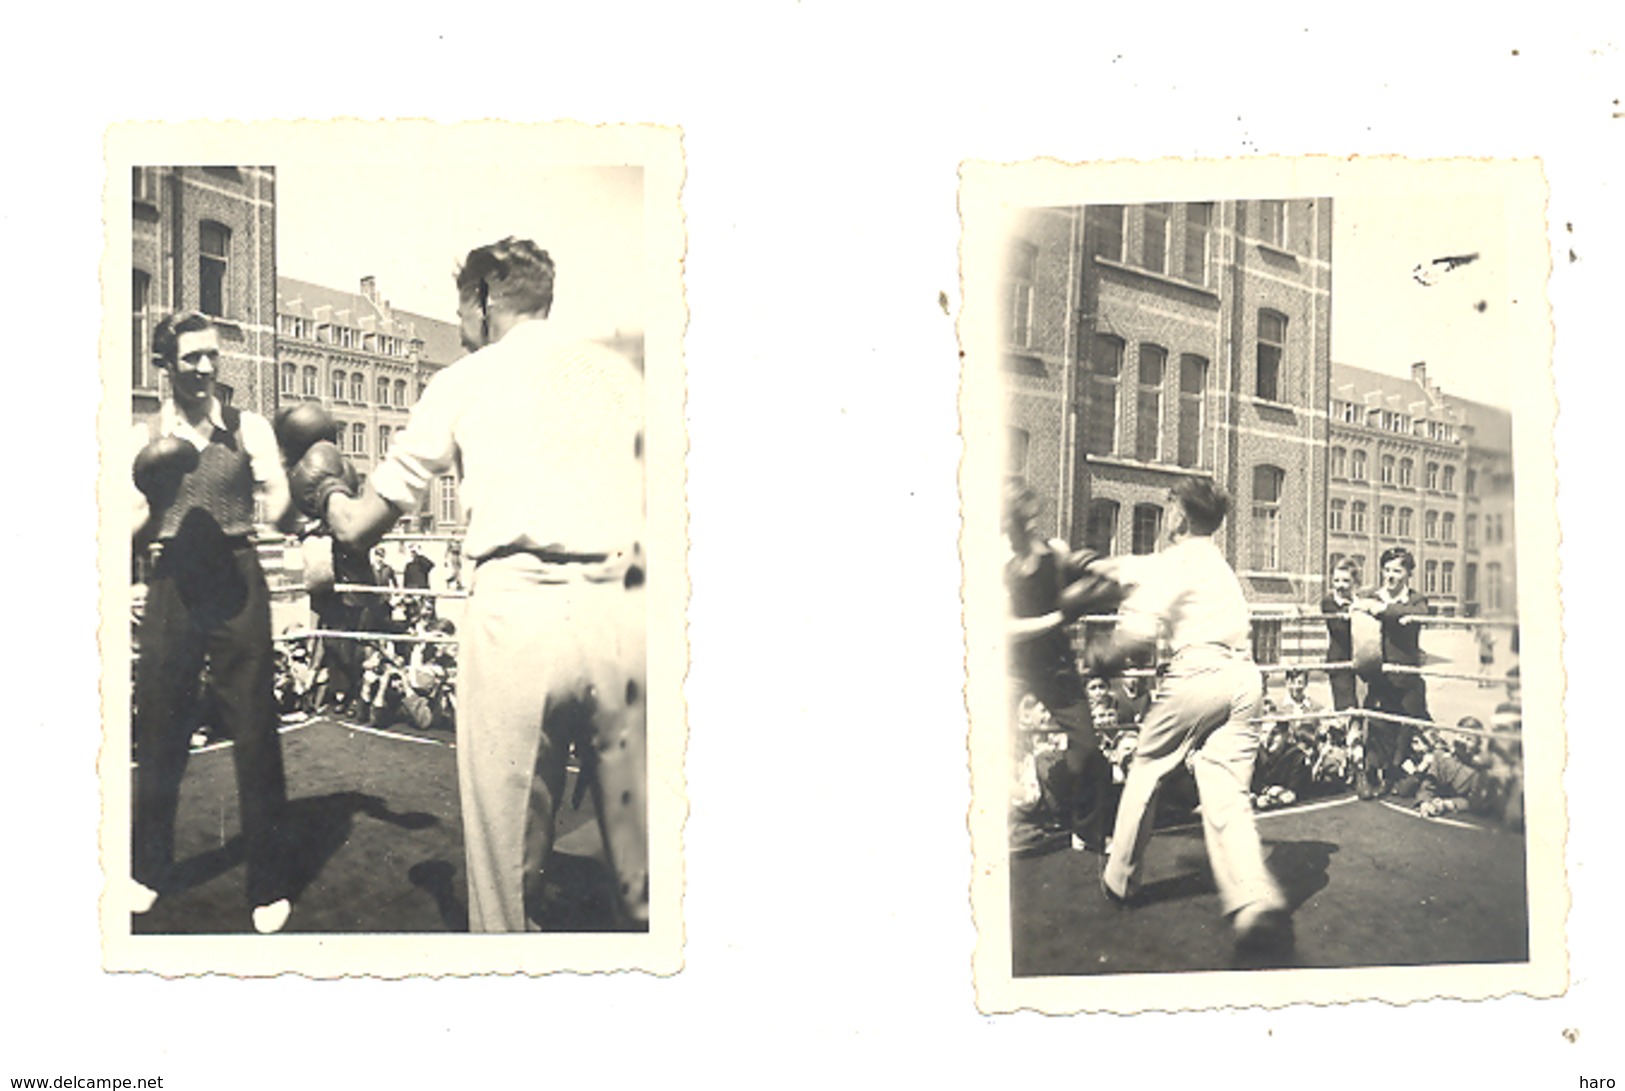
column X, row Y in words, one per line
column 1117, row 901
column 1263, row 933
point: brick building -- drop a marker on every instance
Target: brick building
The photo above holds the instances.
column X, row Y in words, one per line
column 366, row 363
column 1145, row 343
column 1413, row 466
column 204, row 238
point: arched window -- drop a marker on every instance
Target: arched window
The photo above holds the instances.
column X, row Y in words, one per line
column 1339, row 509
column 1449, row 479
column 358, row 438
column 1148, row 414
column 358, row 387
column 1430, row 579
column 1268, row 484
column 1147, row 528
column 1339, row 466
column 1357, row 517
column 383, row 391
column 1100, row 533
column 339, row 389
column 1447, row 527
column 1192, row 408
column 308, row 382
column 290, row 379
column 1100, row 409
column 1271, row 355
column 1407, row 472
column 400, row 393
column 383, row 440
column 1431, row 481
column 1385, row 470
column 214, row 267
column 1385, row 520
column 1447, row 578
column 1406, row 527
column 1430, row 526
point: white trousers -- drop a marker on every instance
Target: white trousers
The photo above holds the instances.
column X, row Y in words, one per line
column 1206, row 702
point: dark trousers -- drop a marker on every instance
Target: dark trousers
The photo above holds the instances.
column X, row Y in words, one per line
column 207, row 602
column 1387, row 744
column 1342, row 689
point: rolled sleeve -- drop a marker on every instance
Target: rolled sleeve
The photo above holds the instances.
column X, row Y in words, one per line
column 264, row 457
column 423, row 450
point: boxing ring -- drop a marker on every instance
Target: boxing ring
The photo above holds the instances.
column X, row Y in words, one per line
column 373, row 825
column 1371, row 883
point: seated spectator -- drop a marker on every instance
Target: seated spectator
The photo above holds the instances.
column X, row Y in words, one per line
column 1416, row 763
column 1298, row 700
column 1281, row 773
column 1133, row 698
column 1333, row 767
column 1449, row 784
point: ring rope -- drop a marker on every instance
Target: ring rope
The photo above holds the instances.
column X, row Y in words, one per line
column 341, row 634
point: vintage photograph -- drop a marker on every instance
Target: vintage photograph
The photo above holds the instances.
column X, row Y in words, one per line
column 393, row 548
column 1260, row 573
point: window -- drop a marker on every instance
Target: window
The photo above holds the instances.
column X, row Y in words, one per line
column 400, row 393
column 1385, row 520
column 1351, row 413
column 1406, row 522
column 1100, row 533
column 1407, row 472
column 1105, row 224
column 1492, row 587
column 1338, row 508
column 1016, row 440
column 1271, row 349
column 383, row 440
column 345, row 337
column 1472, row 481
column 1431, row 481
column 308, row 382
column 338, row 385
column 214, row 263
column 1449, row 479
column 358, row 438
column 1100, row 411
column 1019, row 295
column 1447, row 527
column 1339, row 462
column 448, row 498
column 1198, row 228
column 1272, row 223
column 358, row 387
column 1430, row 581
column 1148, row 428
column 1192, row 408
column 290, row 379
column 1267, row 485
column 1357, row 517
column 141, row 377
column 1357, row 465
column 383, row 391
column 1472, row 532
column 1386, row 470
column 1154, row 246
column 1147, row 528
column 1469, row 582
column 1430, row 526
column 1447, row 578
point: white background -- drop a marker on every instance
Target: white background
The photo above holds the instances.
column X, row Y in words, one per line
column 828, row 922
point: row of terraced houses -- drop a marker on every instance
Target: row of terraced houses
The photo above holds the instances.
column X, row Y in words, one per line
column 1144, row 343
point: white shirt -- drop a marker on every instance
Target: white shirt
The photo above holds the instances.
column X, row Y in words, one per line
column 259, row 440
column 1190, row 587
column 545, row 436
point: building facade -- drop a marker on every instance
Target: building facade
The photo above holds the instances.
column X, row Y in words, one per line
column 366, row 363
column 1146, row 343
column 204, row 238
column 1413, row 466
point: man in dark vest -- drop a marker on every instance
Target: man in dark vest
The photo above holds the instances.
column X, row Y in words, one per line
column 199, row 467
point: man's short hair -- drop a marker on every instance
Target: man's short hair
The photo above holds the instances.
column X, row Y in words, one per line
column 166, row 335
column 514, row 274
column 1204, row 504
column 1346, row 565
column 1297, row 673
column 1400, row 554
column 1021, row 506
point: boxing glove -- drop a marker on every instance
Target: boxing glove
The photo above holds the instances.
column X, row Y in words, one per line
column 160, row 465
column 1090, row 593
column 300, row 426
column 319, row 473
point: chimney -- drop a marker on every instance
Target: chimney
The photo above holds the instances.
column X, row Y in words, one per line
column 1419, row 370
column 369, row 289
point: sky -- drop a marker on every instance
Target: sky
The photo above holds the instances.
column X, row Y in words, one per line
column 1384, row 320
column 411, row 223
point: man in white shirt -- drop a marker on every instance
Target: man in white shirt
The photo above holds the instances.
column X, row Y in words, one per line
column 197, row 472
column 1205, row 704
column 547, row 439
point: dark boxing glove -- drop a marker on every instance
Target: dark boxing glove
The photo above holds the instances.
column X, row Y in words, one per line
column 320, row 472
column 1089, row 591
column 300, row 426
column 160, row 465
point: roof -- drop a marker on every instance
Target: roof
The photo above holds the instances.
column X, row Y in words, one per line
column 1492, row 426
column 442, row 341
column 1358, row 384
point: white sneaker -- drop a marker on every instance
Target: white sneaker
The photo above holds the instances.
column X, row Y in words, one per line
column 270, row 918
column 138, row 898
